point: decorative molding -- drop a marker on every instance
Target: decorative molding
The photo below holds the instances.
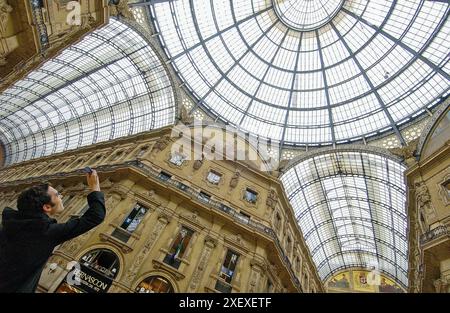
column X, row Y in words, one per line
column 428, row 129
column 120, row 244
column 145, row 250
column 443, row 192
column 169, row 269
column 350, row 148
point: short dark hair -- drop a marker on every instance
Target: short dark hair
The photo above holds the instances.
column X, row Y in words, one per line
column 32, row 200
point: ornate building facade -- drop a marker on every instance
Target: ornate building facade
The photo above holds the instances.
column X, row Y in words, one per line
column 429, row 208
column 359, row 201
column 172, row 224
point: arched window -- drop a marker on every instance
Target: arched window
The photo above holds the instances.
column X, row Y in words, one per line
column 155, row 284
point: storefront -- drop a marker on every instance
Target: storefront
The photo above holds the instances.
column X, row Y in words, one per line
column 94, row 273
column 155, row 284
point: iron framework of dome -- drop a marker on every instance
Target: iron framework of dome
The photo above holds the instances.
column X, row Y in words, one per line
column 110, row 84
column 350, row 206
column 307, row 74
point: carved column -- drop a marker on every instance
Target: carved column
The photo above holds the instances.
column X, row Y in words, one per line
column 113, row 200
column 5, row 9
column 255, row 277
column 197, row 276
column 129, row 276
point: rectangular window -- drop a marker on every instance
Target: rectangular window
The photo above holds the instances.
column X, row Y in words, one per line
column 250, row 196
column 130, row 224
column 227, row 272
column 164, row 176
column 177, row 159
column 176, row 253
column 229, row 266
column 204, row 197
column 242, row 217
column 214, row 177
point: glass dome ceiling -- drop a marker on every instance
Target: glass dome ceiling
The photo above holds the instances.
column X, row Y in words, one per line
column 350, row 206
column 110, row 84
column 309, row 72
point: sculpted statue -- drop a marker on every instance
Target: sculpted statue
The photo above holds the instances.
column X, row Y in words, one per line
column 161, row 143
column 272, row 199
column 185, row 118
column 5, row 9
column 120, row 8
column 235, row 179
column 198, row 163
column 406, row 152
column 423, row 200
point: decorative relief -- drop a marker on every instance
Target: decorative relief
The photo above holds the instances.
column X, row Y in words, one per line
column 120, row 8
column 235, row 179
column 444, row 189
column 161, row 144
column 255, row 276
column 210, row 244
column 134, row 268
column 72, row 246
column 198, row 163
column 5, row 9
column 407, row 152
column 423, row 201
column 272, row 199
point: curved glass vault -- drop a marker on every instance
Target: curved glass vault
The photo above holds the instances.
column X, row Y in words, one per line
column 307, row 74
column 111, row 84
column 350, row 206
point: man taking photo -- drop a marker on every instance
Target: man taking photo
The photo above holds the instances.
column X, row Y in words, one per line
column 29, row 235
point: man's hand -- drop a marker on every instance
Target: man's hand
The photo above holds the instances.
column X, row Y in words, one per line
column 93, row 181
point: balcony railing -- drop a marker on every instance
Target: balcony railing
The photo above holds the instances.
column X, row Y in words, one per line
column 261, row 228
column 196, row 195
column 435, row 233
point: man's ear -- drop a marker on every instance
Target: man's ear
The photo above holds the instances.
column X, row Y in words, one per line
column 47, row 208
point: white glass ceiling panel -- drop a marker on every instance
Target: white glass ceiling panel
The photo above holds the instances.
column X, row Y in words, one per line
column 108, row 85
column 334, row 52
column 350, row 207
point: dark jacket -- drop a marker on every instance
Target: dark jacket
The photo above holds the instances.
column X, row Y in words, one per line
column 27, row 241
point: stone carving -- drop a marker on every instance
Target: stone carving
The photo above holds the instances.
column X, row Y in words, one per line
column 272, row 199
column 235, row 179
column 161, row 144
column 5, row 9
column 407, row 152
column 134, row 268
column 444, row 190
column 198, row 163
column 112, row 201
column 255, row 278
column 442, row 285
column 185, row 118
column 423, row 201
column 202, row 263
column 72, row 246
column 120, row 8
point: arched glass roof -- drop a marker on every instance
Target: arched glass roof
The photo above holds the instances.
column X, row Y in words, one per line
column 351, row 208
column 309, row 72
column 108, row 85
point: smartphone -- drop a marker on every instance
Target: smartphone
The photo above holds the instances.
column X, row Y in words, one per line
column 87, row 170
